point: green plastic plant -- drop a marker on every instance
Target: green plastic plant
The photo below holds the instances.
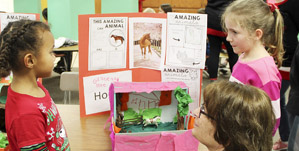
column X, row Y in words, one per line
column 183, row 100
column 3, row 140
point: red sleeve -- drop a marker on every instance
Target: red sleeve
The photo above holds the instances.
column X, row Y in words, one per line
column 29, row 130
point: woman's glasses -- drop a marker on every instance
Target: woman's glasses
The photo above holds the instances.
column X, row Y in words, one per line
column 202, row 111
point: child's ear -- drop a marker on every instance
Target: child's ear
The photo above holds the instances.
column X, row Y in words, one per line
column 259, row 34
column 29, row 60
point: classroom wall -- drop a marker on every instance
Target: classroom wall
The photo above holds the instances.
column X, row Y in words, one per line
column 119, row 6
column 63, row 16
column 27, row 6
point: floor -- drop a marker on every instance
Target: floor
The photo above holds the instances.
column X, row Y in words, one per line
column 52, row 84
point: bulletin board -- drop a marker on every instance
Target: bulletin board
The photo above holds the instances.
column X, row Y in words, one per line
column 138, row 74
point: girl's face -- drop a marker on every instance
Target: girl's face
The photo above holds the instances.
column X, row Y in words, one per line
column 45, row 56
column 204, row 130
column 238, row 37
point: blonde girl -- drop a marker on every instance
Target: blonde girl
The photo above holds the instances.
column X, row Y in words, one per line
column 31, row 118
column 254, row 29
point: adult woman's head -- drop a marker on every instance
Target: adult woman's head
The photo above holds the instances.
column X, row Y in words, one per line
column 149, row 10
column 20, row 38
column 236, row 117
column 260, row 20
column 165, row 8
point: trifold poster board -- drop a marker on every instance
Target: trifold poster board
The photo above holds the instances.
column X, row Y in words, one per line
column 132, row 47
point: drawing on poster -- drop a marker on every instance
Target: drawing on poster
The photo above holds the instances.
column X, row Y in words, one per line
column 186, row 40
column 116, row 38
column 191, row 35
column 147, row 38
column 107, row 43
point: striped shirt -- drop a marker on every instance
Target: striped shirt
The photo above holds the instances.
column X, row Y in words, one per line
column 262, row 73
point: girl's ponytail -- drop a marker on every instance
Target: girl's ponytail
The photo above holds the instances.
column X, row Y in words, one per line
column 276, row 46
column 5, row 67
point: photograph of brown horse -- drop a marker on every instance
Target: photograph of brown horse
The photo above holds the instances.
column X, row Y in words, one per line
column 145, row 41
column 118, row 38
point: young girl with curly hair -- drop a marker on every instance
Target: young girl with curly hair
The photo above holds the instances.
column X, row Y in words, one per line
column 31, row 117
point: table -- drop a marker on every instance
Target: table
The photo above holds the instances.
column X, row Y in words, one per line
column 68, row 48
column 88, row 133
column 66, row 52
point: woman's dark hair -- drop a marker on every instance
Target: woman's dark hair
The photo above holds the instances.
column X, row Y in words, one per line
column 45, row 13
column 166, row 8
column 243, row 116
column 16, row 39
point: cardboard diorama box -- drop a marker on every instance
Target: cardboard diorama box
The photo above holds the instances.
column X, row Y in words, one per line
column 150, row 116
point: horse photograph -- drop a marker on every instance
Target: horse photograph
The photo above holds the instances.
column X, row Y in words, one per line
column 147, row 43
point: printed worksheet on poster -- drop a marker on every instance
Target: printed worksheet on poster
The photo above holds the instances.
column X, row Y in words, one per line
column 10, row 17
column 96, row 90
column 190, row 76
column 107, row 43
column 186, row 40
column 147, row 42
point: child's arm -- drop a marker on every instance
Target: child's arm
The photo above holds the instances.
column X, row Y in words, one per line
column 36, row 147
